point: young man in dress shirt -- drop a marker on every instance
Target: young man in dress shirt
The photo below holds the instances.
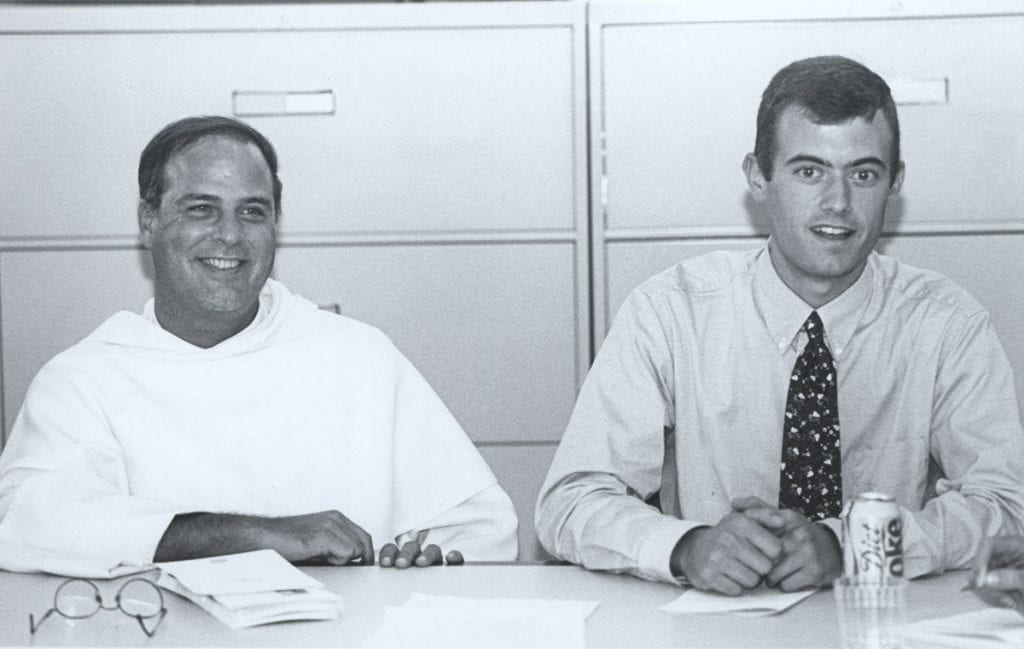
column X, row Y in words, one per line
column 232, row 414
column 775, row 422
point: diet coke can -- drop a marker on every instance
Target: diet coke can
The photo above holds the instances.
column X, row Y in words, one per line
column 872, row 539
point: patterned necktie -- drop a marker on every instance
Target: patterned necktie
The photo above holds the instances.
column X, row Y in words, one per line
column 810, row 479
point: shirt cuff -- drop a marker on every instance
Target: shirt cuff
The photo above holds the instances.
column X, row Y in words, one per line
column 484, row 527
column 836, row 526
column 656, row 551
column 132, row 538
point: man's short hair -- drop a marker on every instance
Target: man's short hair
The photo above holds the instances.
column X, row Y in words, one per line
column 176, row 136
column 832, row 90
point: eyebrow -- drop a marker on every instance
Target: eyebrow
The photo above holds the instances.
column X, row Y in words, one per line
column 260, row 200
column 868, row 160
column 213, row 198
column 210, row 198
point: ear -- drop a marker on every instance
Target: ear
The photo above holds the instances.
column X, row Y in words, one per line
column 897, row 183
column 146, row 222
column 755, row 179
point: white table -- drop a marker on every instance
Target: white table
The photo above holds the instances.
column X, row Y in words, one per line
column 627, row 617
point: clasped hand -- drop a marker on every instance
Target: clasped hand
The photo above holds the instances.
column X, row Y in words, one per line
column 330, row 537
column 758, row 543
column 998, row 576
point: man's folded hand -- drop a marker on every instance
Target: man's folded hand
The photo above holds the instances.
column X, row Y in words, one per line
column 730, row 557
column 811, row 555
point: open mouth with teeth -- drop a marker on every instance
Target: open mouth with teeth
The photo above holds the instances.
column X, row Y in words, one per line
column 832, row 232
column 219, row 263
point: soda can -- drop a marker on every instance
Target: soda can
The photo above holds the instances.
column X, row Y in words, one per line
column 872, row 539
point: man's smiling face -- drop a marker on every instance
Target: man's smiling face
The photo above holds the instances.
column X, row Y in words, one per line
column 826, row 200
column 213, row 234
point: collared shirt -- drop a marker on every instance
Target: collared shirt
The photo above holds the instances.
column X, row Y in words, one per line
column 701, row 355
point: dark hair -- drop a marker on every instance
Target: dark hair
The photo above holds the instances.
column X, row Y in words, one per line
column 832, row 89
column 178, row 135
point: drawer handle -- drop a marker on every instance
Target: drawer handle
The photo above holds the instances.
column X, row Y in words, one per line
column 257, row 103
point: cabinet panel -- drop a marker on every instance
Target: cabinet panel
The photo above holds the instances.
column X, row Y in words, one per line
column 989, row 266
column 521, row 471
column 680, row 104
column 491, row 327
column 433, row 129
column 53, row 299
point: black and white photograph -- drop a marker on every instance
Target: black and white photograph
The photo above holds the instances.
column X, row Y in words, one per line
column 512, row 323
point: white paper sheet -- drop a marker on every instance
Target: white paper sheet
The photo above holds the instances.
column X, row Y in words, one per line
column 430, row 621
column 246, row 572
column 761, row 601
column 989, row 628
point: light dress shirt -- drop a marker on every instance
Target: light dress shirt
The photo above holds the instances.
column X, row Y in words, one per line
column 701, row 355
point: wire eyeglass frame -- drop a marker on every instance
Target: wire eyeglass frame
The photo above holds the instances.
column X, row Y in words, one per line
column 97, row 600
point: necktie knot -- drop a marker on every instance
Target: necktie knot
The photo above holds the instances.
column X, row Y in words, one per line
column 814, row 328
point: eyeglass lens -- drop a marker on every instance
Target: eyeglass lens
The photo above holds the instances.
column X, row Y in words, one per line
column 140, row 598
column 77, row 599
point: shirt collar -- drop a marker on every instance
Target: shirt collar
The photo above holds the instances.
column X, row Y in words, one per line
column 784, row 313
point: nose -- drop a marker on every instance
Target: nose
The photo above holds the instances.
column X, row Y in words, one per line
column 228, row 229
column 835, row 196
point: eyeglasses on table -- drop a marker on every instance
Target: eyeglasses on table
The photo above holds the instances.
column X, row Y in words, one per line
column 77, row 599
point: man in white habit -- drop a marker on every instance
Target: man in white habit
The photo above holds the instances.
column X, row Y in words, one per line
column 233, row 415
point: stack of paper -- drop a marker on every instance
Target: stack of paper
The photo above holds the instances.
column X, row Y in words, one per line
column 250, row 588
column 988, row 628
column 429, row 621
column 760, row 601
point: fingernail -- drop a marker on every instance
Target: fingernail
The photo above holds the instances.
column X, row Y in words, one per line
column 991, row 580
